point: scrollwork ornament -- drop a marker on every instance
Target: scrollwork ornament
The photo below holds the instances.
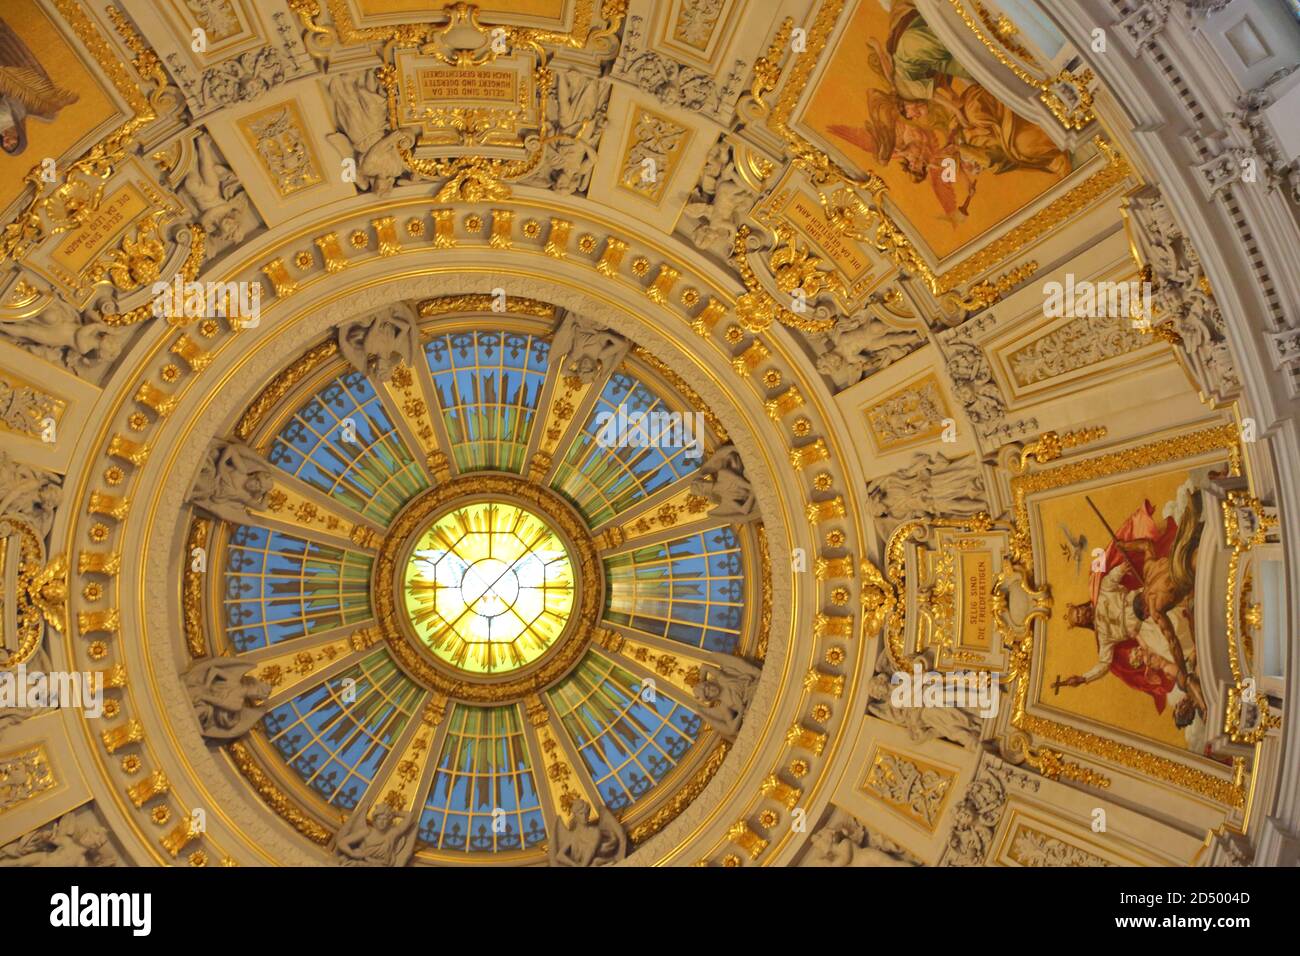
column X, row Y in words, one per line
column 40, row 592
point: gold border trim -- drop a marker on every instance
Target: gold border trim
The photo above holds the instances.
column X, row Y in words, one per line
column 844, row 207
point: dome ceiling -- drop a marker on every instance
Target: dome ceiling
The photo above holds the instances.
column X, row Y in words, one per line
column 584, row 628
column 646, row 432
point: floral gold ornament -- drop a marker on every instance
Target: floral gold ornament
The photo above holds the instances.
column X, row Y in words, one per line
column 40, row 595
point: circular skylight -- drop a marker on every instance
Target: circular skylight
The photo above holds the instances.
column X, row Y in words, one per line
column 489, row 587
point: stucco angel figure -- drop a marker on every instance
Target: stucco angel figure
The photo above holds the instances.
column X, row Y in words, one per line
column 227, row 701
column 719, row 203
column 930, row 484
column 68, row 338
column 726, row 689
column 721, row 480
column 29, row 492
column 586, row 842
column 387, row 838
column 75, row 839
column 223, row 206
column 961, row 725
column 588, row 348
column 377, row 344
column 974, row 820
column 575, row 119
column 843, row 841
column 234, row 479
column 860, row 344
column 361, row 112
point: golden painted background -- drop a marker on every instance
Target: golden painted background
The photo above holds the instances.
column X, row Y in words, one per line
column 840, row 100
column 46, row 138
column 1073, row 650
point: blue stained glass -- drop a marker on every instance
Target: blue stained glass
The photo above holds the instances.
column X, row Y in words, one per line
column 277, row 587
column 621, row 737
column 689, row 589
column 483, row 776
column 375, row 474
column 488, row 384
column 337, row 746
column 601, row 481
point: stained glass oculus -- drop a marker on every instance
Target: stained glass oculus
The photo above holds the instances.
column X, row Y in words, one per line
column 489, row 587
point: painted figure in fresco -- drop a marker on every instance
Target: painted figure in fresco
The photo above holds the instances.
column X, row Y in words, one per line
column 1141, row 609
column 935, row 130
column 25, row 90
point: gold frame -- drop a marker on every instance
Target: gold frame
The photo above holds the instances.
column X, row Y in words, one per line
column 837, row 188
column 573, row 641
column 1230, row 792
column 346, row 30
column 1070, row 117
column 68, row 204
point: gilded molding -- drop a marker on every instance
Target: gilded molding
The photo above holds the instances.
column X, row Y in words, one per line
column 275, row 798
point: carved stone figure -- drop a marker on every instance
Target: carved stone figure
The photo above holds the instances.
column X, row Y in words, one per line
column 859, row 345
column 975, row 819
column 1282, row 169
column 75, row 839
column 973, row 384
column 719, row 203
column 843, row 841
column 575, row 119
column 387, row 838
column 376, row 344
column 721, row 480
column 670, row 82
column 243, row 78
column 29, row 492
column 589, row 349
column 586, row 842
column 726, row 689
column 933, row 484
column 224, row 210
column 65, row 337
column 361, row 113
column 961, row 725
column 227, row 701
column 1180, row 293
column 233, row 480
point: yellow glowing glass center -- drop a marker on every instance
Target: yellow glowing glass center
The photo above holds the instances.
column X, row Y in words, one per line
column 489, row 587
